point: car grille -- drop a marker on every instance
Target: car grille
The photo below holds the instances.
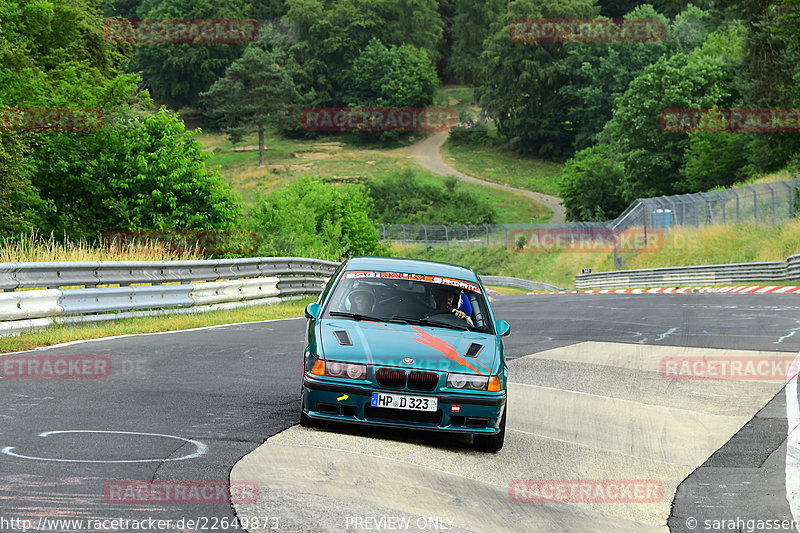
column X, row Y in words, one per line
column 392, row 378
column 422, row 380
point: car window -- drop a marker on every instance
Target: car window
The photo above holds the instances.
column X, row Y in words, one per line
column 392, row 297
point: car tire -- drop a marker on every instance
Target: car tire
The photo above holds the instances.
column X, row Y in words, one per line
column 491, row 443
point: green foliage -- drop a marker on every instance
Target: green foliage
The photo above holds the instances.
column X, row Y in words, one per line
column 257, row 91
column 402, row 199
column 331, row 35
column 470, row 27
column 714, row 159
column 176, row 73
column 703, row 78
column 470, row 132
column 519, row 81
column 589, row 184
column 399, row 76
column 149, row 175
column 309, row 218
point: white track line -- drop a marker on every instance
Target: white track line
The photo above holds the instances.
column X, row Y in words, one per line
column 793, row 441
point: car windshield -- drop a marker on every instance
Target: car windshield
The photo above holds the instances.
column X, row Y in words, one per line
column 410, row 298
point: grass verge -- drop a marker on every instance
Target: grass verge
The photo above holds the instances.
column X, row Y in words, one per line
column 60, row 333
column 499, row 165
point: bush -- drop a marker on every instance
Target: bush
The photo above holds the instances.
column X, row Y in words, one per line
column 402, row 198
column 309, row 218
column 590, row 182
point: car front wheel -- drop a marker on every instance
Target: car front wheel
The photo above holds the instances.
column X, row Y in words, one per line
column 491, row 443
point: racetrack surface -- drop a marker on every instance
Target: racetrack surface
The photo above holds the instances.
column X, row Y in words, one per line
column 587, row 401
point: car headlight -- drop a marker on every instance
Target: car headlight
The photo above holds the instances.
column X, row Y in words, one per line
column 345, row 370
column 467, row 381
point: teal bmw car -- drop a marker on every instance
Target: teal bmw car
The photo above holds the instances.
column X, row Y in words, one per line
column 406, row 344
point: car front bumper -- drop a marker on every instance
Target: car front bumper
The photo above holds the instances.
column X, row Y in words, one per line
column 339, row 402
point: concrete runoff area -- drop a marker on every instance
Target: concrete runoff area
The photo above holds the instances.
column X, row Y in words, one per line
column 591, row 412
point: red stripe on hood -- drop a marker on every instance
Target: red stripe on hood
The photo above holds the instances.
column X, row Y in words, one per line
column 442, row 346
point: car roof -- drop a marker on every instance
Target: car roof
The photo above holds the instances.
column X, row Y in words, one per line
column 411, row 266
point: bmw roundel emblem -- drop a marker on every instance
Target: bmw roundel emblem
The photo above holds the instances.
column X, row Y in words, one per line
column 408, row 360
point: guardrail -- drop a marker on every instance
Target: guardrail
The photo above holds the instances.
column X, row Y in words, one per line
column 771, row 271
column 505, row 281
column 85, row 291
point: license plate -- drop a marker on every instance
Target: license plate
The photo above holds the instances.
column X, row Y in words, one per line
column 402, row 401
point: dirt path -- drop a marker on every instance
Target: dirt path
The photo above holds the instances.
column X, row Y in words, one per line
column 427, row 153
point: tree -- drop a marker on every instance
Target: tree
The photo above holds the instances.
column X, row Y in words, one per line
column 148, row 174
column 703, row 78
column 400, row 76
column 590, row 182
column 332, row 34
column 597, row 74
column 176, row 73
column 470, row 27
column 519, row 81
column 309, row 218
column 257, row 90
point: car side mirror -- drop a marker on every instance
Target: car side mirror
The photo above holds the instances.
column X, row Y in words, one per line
column 312, row 311
column 503, row 328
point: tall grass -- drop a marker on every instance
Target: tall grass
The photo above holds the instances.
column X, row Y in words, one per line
column 34, row 247
column 682, row 247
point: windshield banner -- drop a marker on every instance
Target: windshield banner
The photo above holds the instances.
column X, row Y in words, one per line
column 452, row 282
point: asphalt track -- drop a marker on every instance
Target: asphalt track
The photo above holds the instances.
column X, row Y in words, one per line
column 587, row 402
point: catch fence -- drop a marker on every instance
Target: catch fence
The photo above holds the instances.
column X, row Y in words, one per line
column 762, row 203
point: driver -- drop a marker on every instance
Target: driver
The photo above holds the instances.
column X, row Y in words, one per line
column 361, row 301
column 448, row 299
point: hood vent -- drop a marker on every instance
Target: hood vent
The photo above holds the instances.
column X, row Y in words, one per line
column 343, row 337
column 474, row 349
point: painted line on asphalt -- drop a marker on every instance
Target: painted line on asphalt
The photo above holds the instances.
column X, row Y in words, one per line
column 793, row 441
column 70, row 343
column 200, row 448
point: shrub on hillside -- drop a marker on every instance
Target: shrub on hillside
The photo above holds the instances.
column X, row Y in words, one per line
column 309, row 218
column 402, row 198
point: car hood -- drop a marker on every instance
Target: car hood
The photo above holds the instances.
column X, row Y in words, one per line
column 392, row 344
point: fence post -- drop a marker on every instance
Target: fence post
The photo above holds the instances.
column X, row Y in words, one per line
column 487, row 234
column 755, row 203
column 425, row 229
column 469, row 244
column 772, row 194
column 737, row 205
column 791, row 193
column 446, row 237
column 404, row 233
